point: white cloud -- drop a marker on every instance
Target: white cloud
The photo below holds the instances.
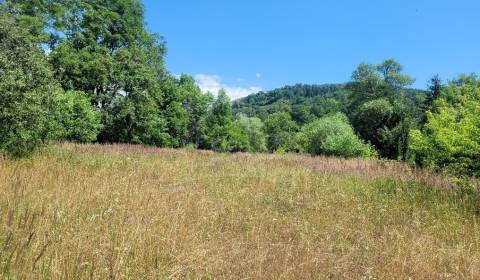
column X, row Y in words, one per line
column 258, row 75
column 238, row 92
column 213, row 83
column 209, row 83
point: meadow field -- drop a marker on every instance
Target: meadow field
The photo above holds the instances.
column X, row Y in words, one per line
column 132, row 212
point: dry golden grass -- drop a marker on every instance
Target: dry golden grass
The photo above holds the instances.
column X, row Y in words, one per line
column 129, row 212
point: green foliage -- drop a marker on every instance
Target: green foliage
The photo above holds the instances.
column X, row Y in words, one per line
column 104, row 80
column 219, row 120
column 224, row 134
column 28, row 92
column 81, row 121
column 435, row 88
column 32, row 16
column 253, row 128
column 371, row 117
column 391, row 72
column 280, row 129
column 135, row 119
column 381, row 110
column 104, row 49
column 184, row 107
column 451, row 136
column 303, row 102
column 238, row 138
column 332, row 136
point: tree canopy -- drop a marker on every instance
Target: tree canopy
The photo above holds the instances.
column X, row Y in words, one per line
column 451, row 137
column 28, row 92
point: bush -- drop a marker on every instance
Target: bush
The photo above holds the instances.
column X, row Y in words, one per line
column 253, row 128
column 333, row 136
column 450, row 139
column 237, row 140
column 81, row 121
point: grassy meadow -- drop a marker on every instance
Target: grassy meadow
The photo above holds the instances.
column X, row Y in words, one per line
column 131, row 212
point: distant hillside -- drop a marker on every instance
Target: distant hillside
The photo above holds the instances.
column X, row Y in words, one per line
column 303, row 101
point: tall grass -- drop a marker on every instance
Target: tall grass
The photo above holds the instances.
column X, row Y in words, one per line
column 130, row 212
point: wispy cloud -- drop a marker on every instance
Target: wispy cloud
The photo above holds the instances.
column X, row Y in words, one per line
column 213, row 83
column 258, row 75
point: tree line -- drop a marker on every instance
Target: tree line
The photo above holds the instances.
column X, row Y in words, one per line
column 90, row 71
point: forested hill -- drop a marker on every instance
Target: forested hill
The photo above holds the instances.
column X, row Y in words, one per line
column 305, row 102
column 295, row 92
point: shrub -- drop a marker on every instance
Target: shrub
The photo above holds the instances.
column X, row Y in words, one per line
column 237, row 139
column 450, row 139
column 333, row 136
column 253, row 128
column 81, row 120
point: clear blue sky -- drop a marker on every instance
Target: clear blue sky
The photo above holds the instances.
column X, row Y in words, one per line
column 263, row 44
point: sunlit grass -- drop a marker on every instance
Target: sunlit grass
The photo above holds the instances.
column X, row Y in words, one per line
column 129, row 212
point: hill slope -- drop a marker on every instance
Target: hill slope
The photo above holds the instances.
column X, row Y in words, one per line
column 108, row 212
column 302, row 100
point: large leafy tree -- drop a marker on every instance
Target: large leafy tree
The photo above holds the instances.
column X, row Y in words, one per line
column 135, row 119
column 451, row 137
column 370, row 82
column 219, row 122
column 106, row 50
column 280, row 129
column 380, row 110
column 253, row 128
column 102, row 47
column 28, row 93
column 222, row 132
column 33, row 16
column 184, row 107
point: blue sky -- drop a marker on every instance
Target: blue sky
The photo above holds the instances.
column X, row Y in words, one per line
column 248, row 45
